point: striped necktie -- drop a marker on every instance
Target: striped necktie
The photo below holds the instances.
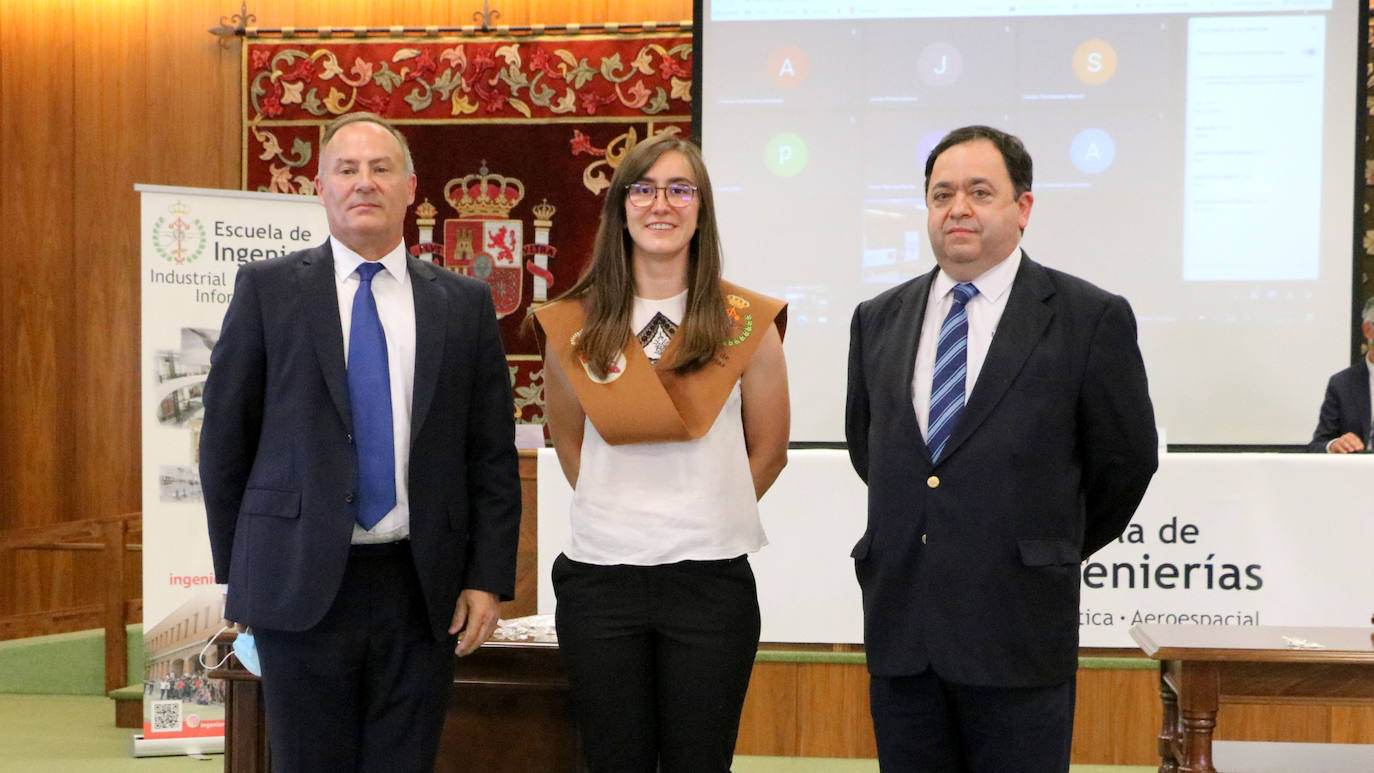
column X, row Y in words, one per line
column 951, row 366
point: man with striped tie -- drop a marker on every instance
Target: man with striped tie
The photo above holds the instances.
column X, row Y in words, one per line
column 998, row 412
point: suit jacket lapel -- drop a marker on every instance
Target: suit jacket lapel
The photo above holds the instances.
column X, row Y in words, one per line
column 431, row 319
column 1362, row 401
column 326, row 330
column 912, row 319
column 1023, row 322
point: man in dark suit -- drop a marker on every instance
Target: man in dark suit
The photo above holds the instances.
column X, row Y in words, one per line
column 980, row 510
column 359, row 470
column 1343, row 426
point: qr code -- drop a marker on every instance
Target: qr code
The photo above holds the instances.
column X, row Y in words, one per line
column 166, row 716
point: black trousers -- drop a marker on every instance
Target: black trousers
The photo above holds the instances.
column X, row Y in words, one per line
column 366, row 689
column 658, row 661
column 925, row 724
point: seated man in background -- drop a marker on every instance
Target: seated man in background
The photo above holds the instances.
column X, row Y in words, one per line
column 1343, row 426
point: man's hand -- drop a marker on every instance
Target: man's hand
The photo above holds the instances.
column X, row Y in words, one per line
column 1349, row 443
column 475, row 615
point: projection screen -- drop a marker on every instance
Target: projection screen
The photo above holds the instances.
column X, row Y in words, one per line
column 1198, row 157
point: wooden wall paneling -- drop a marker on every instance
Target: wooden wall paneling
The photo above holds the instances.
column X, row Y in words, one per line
column 833, row 715
column 8, row 592
column 226, row 109
column 1296, row 723
column 769, row 722
column 45, row 580
column 640, row 10
column 1326, row 722
column 314, row 13
column 1352, row 724
column 1117, row 717
column 50, row 621
column 59, row 567
column 7, row 428
column 557, row 12
column 4, row 24
column 111, row 129
column 192, row 97
column 39, row 263
column 33, row 574
column 9, row 355
column 133, row 575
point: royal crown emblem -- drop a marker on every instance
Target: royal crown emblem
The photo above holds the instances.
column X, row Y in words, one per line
column 485, row 242
column 484, row 195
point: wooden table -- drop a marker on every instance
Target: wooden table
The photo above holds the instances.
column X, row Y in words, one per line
column 1200, row 666
column 507, row 711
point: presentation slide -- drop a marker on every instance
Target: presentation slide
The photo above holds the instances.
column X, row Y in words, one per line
column 1198, row 157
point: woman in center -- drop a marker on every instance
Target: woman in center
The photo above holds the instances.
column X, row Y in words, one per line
column 666, row 399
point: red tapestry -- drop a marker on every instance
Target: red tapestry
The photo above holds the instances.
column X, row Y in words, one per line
column 514, row 141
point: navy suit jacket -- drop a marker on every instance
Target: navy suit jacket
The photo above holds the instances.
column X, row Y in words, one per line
column 276, row 457
column 970, row 565
column 1345, row 409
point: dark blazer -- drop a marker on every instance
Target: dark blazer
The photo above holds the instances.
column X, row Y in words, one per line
column 276, row 457
column 1345, row 409
column 971, row 565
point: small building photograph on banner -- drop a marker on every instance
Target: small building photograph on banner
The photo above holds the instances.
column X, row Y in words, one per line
column 180, row 376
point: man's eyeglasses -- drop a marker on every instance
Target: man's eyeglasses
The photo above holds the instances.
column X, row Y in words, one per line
column 643, row 194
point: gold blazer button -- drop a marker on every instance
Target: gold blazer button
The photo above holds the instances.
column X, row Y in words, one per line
column 933, row 481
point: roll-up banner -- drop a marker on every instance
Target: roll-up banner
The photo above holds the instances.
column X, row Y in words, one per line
column 193, row 242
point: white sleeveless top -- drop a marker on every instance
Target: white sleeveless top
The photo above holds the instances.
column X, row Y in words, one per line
column 657, row 503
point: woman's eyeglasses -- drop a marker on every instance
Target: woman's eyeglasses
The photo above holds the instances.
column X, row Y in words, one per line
column 643, row 194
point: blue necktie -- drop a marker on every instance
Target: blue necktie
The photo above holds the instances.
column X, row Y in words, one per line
column 951, row 366
column 369, row 398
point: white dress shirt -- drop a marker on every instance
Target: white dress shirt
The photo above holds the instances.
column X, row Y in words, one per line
column 396, row 308
column 984, row 312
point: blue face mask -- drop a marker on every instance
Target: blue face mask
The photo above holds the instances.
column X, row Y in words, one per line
column 247, row 651
column 244, row 647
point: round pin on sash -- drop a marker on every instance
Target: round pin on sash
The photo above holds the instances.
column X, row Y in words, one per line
column 613, row 372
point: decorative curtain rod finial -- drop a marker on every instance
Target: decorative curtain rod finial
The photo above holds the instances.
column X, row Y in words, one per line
column 233, row 26
column 488, row 14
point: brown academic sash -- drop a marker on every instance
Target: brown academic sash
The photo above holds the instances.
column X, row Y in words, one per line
column 638, row 403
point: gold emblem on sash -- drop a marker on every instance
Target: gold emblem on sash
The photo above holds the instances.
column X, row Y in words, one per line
column 743, row 323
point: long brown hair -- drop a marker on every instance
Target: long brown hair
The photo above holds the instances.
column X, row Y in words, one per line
column 607, row 288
